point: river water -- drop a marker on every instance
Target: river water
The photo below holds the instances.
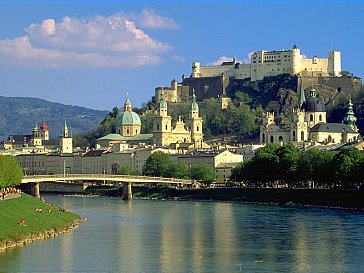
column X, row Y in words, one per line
column 175, row 236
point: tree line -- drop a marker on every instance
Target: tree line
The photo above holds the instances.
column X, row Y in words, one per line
column 286, row 164
column 161, row 164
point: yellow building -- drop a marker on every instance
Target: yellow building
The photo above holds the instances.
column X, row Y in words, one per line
column 190, row 132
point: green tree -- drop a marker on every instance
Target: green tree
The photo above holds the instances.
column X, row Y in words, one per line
column 348, row 164
column 315, row 165
column 288, row 156
column 202, row 172
column 10, row 172
column 126, row 170
column 178, row 170
column 157, row 164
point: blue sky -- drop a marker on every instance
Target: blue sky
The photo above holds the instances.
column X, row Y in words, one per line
column 90, row 53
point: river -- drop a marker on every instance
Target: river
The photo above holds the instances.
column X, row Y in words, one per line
column 180, row 236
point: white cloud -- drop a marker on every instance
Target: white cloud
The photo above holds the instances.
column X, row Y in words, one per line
column 113, row 41
column 224, row 59
column 150, row 19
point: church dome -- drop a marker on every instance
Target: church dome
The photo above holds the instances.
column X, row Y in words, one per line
column 313, row 103
column 44, row 126
column 128, row 116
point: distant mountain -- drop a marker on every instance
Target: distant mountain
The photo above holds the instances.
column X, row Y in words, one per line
column 18, row 115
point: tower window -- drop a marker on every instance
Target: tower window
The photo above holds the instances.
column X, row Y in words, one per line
column 198, row 128
column 311, row 117
column 127, row 131
column 166, row 127
column 302, row 135
column 320, row 117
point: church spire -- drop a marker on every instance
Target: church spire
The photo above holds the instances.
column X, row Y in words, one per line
column 350, row 118
column 65, row 129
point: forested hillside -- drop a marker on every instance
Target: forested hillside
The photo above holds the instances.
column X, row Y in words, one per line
column 18, row 115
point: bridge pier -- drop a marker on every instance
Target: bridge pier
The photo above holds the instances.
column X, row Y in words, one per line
column 34, row 189
column 127, row 193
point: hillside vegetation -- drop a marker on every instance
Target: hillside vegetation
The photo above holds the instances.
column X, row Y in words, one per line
column 18, row 115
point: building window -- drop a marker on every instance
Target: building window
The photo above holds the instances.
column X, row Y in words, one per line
column 166, row 127
column 271, row 139
column 294, row 135
column 127, row 131
column 198, row 128
column 320, row 117
column 263, row 138
column 157, row 126
column 280, row 139
column 311, row 117
column 302, row 135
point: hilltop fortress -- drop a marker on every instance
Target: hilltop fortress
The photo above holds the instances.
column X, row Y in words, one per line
column 215, row 80
column 272, row 63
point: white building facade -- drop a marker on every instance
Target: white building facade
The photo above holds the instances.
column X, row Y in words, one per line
column 272, row 63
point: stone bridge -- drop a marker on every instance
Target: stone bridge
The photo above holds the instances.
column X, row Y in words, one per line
column 128, row 180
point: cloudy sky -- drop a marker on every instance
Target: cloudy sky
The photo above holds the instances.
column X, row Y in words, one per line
column 90, row 53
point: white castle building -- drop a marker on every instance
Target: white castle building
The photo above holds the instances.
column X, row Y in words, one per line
column 272, row 63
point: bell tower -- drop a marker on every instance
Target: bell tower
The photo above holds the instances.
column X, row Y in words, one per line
column 65, row 143
column 195, row 122
column 162, row 124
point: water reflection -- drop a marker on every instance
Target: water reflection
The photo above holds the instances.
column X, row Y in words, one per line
column 163, row 236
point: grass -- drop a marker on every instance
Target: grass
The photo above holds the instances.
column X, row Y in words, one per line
column 12, row 211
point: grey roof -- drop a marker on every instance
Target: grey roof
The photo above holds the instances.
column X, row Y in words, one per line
column 331, row 128
column 118, row 137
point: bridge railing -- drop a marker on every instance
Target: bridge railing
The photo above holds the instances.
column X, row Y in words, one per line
column 107, row 176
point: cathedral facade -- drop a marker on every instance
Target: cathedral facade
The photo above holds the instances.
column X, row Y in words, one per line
column 184, row 132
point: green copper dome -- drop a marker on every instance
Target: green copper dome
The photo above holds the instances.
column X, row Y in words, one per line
column 128, row 116
column 194, row 105
column 162, row 102
column 350, row 118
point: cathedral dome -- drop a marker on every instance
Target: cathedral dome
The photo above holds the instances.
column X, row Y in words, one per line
column 313, row 103
column 128, row 116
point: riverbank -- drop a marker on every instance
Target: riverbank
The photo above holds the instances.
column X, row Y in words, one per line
column 27, row 219
column 304, row 197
